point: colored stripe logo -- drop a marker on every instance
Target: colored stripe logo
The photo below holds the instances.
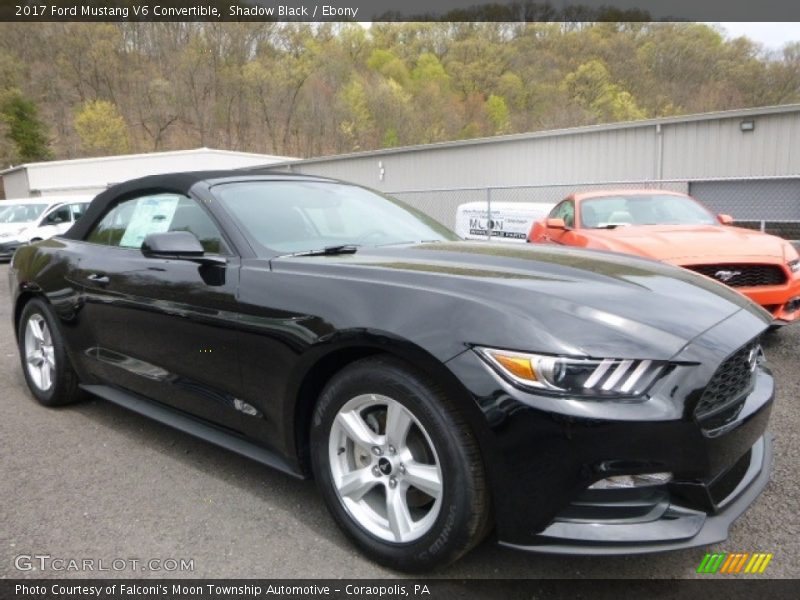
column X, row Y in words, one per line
column 734, row 562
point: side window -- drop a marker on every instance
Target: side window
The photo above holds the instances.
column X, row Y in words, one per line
column 190, row 216
column 568, row 213
column 58, row 216
column 129, row 222
column 78, row 210
column 564, row 210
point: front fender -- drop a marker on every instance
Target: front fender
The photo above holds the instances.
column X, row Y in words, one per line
column 323, row 360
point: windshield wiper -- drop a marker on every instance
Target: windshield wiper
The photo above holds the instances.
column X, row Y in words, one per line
column 326, row 251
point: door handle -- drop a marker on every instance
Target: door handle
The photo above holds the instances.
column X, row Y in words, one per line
column 99, row 279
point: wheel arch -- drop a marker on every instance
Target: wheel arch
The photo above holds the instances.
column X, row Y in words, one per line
column 326, row 364
column 25, row 296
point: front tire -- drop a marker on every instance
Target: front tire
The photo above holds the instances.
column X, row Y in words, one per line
column 399, row 468
column 48, row 372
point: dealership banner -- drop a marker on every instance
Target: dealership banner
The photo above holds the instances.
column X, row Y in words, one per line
column 399, row 10
column 383, row 589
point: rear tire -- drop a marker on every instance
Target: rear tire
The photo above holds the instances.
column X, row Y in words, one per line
column 399, row 468
column 45, row 364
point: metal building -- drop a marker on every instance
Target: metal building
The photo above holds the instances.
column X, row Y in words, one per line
column 742, row 162
column 92, row 175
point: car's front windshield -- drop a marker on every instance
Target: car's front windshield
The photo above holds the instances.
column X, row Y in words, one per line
column 21, row 213
column 298, row 216
column 642, row 209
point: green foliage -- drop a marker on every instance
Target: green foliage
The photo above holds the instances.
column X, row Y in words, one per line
column 390, row 138
column 497, row 109
column 429, row 70
column 10, row 70
column 24, row 130
column 101, row 129
column 354, row 99
column 511, row 87
column 389, row 65
column 299, row 89
column 379, row 58
column 591, row 87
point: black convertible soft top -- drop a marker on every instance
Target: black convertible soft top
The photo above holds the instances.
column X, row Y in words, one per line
column 169, row 183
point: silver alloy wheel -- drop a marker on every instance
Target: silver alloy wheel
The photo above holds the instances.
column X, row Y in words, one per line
column 39, row 354
column 384, row 468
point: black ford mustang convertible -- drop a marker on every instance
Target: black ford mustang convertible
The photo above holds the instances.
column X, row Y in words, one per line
column 439, row 391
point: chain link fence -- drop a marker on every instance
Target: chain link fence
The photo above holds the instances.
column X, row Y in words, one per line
column 767, row 204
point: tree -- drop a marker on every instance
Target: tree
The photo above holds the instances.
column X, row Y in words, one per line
column 591, row 87
column 783, row 76
column 157, row 110
column 308, row 90
column 24, row 129
column 388, row 65
column 101, row 129
column 276, row 78
column 390, row 138
column 430, row 70
column 497, row 109
column 360, row 122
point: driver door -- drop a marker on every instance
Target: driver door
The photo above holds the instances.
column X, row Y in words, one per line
column 162, row 328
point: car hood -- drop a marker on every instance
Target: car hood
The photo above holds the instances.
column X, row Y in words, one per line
column 13, row 227
column 677, row 243
column 541, row 298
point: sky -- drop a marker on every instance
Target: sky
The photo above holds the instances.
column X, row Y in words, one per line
column 772, row 35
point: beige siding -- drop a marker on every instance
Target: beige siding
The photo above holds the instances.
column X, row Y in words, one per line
column 698, row 147
column 596, row 156
column 82, row 176
column 16, row 184
column 718, row 148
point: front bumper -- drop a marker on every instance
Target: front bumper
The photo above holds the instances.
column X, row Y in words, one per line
column 7, row 249
column 543, row 453
column 781, row 301
column 641, row 520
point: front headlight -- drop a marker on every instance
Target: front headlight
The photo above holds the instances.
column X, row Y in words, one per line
column 794, row 265
column 613, row 377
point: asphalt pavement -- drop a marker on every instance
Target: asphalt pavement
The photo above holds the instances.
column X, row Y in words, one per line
column 96, row 482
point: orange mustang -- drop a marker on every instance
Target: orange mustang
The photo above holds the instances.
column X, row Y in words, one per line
column 675, row 228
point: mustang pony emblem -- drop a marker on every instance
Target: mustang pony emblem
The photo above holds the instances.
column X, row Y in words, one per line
column 726, row 275
column 753, row 356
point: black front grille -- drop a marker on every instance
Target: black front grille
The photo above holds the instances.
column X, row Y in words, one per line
column 742, row 275
column 734, row 377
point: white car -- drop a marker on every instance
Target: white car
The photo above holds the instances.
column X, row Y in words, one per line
column 23, row 221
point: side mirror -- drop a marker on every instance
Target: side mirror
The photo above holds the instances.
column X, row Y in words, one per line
column 178, row 245
column 555, row 224
column 725, row 219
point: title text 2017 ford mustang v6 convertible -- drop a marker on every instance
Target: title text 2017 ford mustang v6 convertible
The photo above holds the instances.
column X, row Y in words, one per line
column 560, row 399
